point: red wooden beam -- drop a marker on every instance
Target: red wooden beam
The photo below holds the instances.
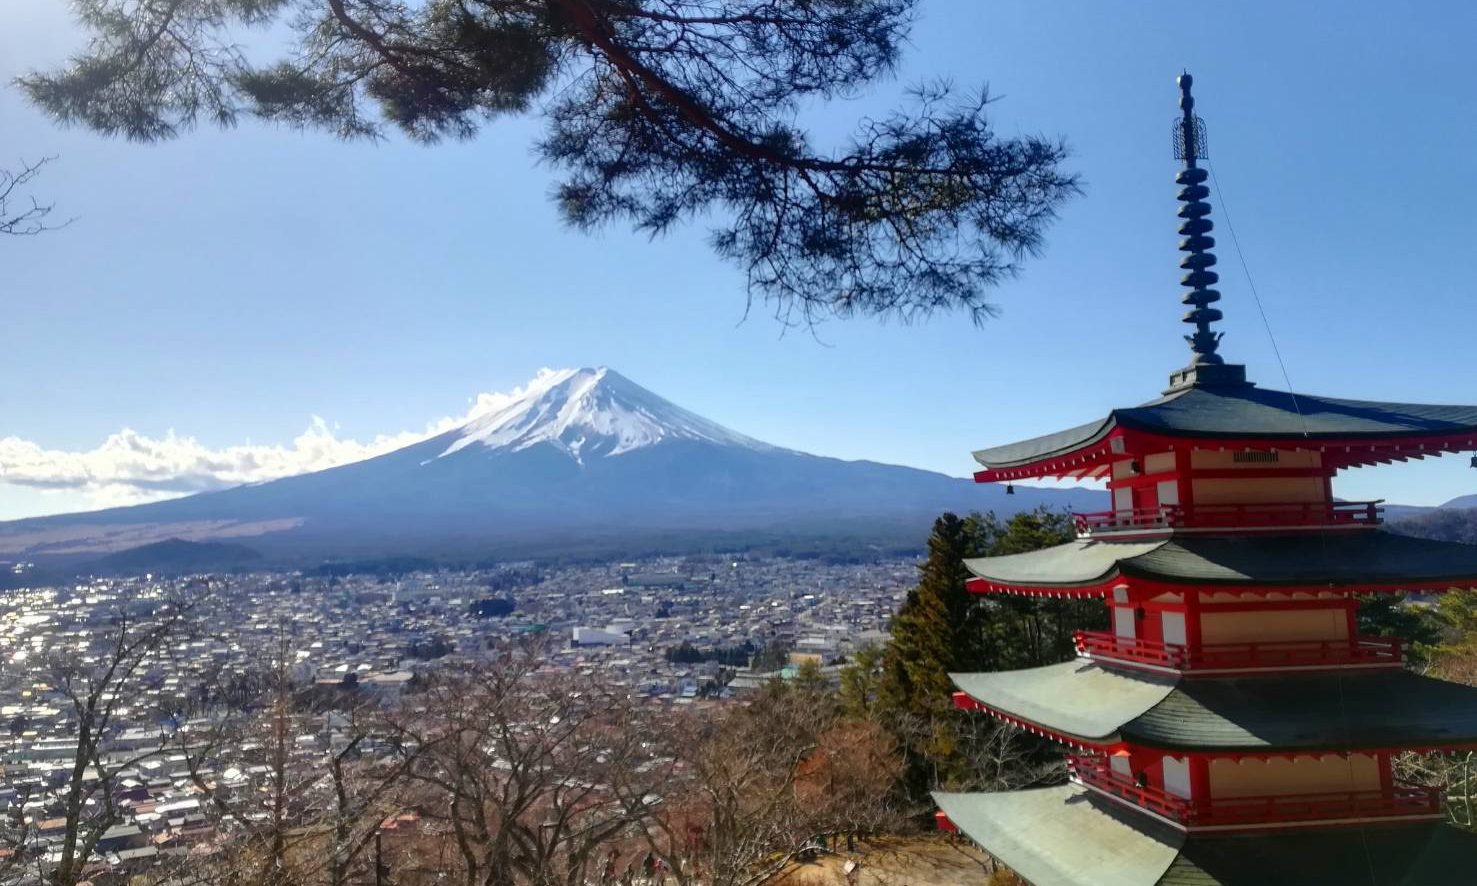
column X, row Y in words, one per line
column 1339, row 452
column 1152, row 587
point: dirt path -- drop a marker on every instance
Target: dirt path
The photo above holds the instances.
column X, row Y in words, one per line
column 917, row 861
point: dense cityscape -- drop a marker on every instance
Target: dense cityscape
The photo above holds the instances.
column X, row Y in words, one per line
column 371, row 637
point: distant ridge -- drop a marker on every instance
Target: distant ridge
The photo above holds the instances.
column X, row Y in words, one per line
column 583, row 461
column 176, row 555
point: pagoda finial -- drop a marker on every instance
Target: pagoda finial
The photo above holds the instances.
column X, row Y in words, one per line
column 1206, row 366
column 1189, row 146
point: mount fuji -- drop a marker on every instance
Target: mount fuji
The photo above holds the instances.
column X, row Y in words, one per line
column 583, row 461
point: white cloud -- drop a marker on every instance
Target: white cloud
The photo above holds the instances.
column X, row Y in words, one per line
column 131, row 468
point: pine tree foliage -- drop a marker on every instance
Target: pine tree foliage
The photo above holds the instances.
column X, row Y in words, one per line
column 1026, row 632
column 1393, row 615
column 860, row 683
column 929, row 636
column 943, row 628
column 657, row 112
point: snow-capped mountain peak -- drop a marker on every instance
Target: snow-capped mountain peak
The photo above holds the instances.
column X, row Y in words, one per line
column 590, row 413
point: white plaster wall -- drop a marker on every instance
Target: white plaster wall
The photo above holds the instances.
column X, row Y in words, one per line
column 1123, row 622
column 1158, row 462
column 1177, row 776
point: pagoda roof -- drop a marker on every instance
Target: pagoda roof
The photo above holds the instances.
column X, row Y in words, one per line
column 1316, row 558
column 1247, row 412
column 1059, row 837
column 1077, row 698
column 1093, row 705
column 1067, row 836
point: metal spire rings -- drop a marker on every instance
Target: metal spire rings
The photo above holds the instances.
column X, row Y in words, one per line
column 1189, row 146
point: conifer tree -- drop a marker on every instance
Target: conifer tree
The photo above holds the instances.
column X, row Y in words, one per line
column 930, row 634
column 860, row 682
column 655, row 112
column 943, row 628
column 931, row 637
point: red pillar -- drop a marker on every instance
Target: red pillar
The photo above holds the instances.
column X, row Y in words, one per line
column 1199, row 779
column 1387, row 773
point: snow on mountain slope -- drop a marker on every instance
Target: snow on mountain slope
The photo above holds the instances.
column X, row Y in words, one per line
column 540, row 471
column 591, row 413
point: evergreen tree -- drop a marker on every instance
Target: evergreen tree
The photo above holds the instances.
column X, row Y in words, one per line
column 1392, row 615
column 943, row 628
column 860, row 683
column 1456, row 611
column 931, row 633
column 655, row 112
column 1024, row 632
column 932, row 636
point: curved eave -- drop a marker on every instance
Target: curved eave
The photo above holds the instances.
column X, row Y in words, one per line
column 1059, row 836
column 1080, row 564
column 1077, row 702
column 1065, row 836
column 1303, row 563
column 1048, row 455
column 1087, row 705
column 1093, row 460
column 1349, row 432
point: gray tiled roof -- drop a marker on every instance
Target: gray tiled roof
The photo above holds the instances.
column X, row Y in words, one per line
column 1352, row 557
column 1345, row 711
column 1057, row 837
column 1063, row 836
column 1239, row 411
column 1078, row 698
column 1395, row 855
column 1298, row 711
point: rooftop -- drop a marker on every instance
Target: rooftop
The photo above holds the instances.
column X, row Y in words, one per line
column 1063, row 836
column 1092, row 705
column 1245, row 413
column 1326, row 559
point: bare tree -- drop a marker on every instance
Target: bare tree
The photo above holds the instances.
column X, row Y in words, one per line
column 998, row 757
column 755, row 786
column 258, row 733
column 21, row 214
column 100, row 681
column 521, row 769
column 314, row 812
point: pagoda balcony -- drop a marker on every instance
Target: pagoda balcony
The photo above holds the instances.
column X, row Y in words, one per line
column 1168, row 518
column 1357, row 651
column 1399, row 801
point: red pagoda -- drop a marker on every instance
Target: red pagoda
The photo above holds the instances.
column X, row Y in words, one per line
column 1232, row 727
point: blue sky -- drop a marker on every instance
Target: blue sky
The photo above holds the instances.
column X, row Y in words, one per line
column 230, row 286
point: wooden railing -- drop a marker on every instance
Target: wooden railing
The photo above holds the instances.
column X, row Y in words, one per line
column 1238, row 516
column 1230, row 656
column 1095, row 772
column 1399, row 801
